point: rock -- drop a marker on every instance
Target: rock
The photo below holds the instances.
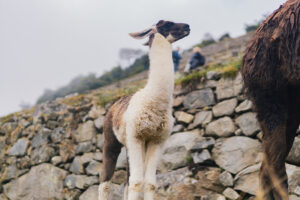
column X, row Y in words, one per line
column 294, row 197
column 44, row 178
column 244, row 106
column 56, row 160
column 66, row 150
column 177, row 128
column 203, row 157
column 85, row 132
column 41, row 138
column 42, row 154
column 19, row 148
column 228, row 87
column 119, row 177
column 226, row 179
column 96, row 111
column 84, row 147
column 11, row 172
column 222, row 127
column 199, row 99
column 294, row 155
column 71, row 194
column 94, row 168
column 293, row 173
column 203, row 143
column 183, row 117
column 225, row 107
column 78, row 162
column 247, row 180
column 57, row 135
column 213, row 197
column 248, row 123
column 231, row 194
column 92, row 193
column 80, row 181
column 213, row 75
column 201, row 118
column 173, row 177
column 122, row 159
column 236, row 153
column 174, row 159
column 99, row 122
column 98, row 156
column 178, row 101
column 99, row 141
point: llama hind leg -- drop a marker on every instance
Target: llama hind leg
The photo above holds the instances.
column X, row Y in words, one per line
column 111, row 151
column 136, row 166
column 153, row 155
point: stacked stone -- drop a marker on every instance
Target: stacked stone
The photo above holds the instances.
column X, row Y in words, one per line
column 214, row 151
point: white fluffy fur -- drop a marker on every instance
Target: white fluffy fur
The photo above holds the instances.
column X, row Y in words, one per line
column 148, row 118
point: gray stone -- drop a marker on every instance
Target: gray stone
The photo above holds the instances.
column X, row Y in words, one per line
column 213, row 197
column 213, row 75
column 226, row 179
column 173, row 177
column 199, row 99
column 231, row 194
column 56, row 160
column 201, row 118
column 94, row 168
column 57, row 135
column 236, row 153
column 85, row 132
column 203, row 143
column 40, row 139
column 42, row 154
column 183, row 117
column 19, row 148
column 80, row 181
column 44, row 178
column 177, row 128
column 247, row 180
column 294, row 155
column 96, row 111
column 78, row 162
column 222, row 127
column 225, row 107
column 178, row 101
column 248, row 123
column 122, row 159
column 202, row 157
column 98, row 156
column 293, row 173
column 99, row 143
column 84, row 147
column 99, row 122
column 92, row 193
column 244, row 106
column 228, row 87
column 11, row 172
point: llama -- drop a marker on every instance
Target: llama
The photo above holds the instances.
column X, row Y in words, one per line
column 143, row 121
column 271, row 73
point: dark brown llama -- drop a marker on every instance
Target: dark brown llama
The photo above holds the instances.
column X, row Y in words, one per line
column 271, row 72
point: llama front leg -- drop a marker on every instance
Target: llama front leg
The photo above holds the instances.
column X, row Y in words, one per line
column 136, row 166
column 153, row 155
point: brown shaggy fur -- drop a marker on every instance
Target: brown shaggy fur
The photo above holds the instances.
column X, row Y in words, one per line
column 271, row 72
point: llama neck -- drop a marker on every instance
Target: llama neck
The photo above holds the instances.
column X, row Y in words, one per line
column 161, row 76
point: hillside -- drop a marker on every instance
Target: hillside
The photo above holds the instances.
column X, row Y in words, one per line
column 54, row 150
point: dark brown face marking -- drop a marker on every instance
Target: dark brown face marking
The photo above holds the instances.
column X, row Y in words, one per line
column 171, row 29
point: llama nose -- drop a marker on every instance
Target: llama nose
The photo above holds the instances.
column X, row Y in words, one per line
column 186, row 27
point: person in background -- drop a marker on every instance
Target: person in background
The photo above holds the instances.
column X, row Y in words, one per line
column 196, row 60
column 176, row 58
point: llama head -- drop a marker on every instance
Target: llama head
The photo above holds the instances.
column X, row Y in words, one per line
column 170, row 30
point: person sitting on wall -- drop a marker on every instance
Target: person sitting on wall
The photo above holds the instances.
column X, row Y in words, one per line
column 176, row 58
column 197, row 59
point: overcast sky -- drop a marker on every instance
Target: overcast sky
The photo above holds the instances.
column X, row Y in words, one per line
column 46, row 43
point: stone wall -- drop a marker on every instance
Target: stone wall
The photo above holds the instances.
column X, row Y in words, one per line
column 214, row 151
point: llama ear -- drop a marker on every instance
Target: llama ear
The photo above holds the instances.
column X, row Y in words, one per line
column 142, row 34
column 149, row 42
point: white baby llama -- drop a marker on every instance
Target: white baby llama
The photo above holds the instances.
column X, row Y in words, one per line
column 143, row 121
